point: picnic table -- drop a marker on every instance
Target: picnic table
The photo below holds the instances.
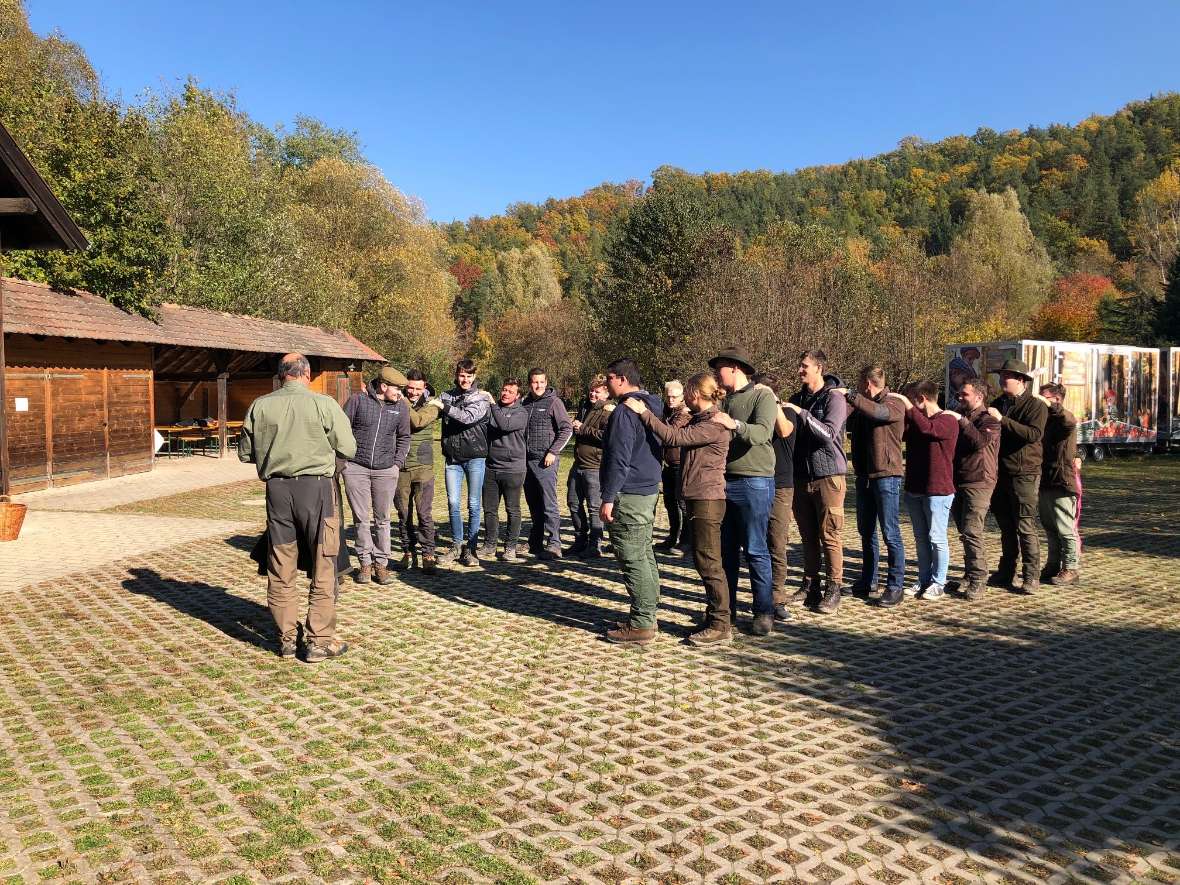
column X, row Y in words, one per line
column 178, row 436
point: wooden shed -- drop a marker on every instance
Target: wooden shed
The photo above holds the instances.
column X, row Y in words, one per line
column 87, row 382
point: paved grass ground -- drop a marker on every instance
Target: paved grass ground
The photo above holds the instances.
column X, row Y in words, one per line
column 480, row 731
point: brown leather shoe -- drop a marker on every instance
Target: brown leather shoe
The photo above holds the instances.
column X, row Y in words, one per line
column 974, row 589
column 1065, row 576
column 710, row 636
column 383, row 575
column 364, row 574
column 632, row 635
column 429, row 565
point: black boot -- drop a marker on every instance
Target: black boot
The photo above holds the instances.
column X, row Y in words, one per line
column 593, row 545
column 580, row 543
column 807, row 594
column 891, row 597
column 830, row 604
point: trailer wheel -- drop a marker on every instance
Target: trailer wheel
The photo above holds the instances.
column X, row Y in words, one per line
column 1083, row 454
column 1098, row 453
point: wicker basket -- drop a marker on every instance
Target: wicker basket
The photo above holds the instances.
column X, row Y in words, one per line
column 11, row 518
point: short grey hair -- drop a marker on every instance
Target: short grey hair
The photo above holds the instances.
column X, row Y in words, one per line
column 295, row 368
column 673, row 388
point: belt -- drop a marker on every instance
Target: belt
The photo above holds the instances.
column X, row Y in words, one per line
column 300, row 476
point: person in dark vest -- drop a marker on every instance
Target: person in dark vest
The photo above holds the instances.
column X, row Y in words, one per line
column 294, row 436
column 583, row 488
column 464, row 411
column 1022, row 415
column 1060, row 490
column 676, row 415
column 820, row 480
column 548, row 431
column 380, row 420
column 507, row 422
column 415, row 483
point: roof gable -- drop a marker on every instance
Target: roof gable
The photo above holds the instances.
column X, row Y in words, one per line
column 45, row 224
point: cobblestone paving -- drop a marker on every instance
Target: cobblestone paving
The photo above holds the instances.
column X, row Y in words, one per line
column 480, row 731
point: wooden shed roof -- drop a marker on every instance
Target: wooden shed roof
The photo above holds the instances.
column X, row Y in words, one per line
column 36, row 309
column 45, row 224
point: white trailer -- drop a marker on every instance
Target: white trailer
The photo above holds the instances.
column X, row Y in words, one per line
column 1170, row 397
column 1113, row 389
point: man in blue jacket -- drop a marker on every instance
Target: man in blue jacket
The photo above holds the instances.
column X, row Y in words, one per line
column 630, row 476
column 380, row 421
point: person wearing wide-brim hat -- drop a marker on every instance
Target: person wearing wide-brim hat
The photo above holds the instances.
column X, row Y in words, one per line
column 380, row 420
column 1015, row 499
column 751, row 411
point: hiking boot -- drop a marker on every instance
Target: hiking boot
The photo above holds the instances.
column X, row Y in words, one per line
column 707, row 636
column 763, row 624
column 429, row 565
column 468, row 557
column 861, row 591
column 631, row 635
column 383, row 575
column 891, row 597
column 364, row 574
column 1030, row 586
column 403, row 564
column 1000, row 579
column 487, row 551
column 830, row 603
column 974, row 589
column 288, row 649
column 333, row 649
column 781, row 612
column 806, row 594
column 551, row 553
column 452, row 555
column 593, row 548
column 1064, row 577
column 580, row 544
column 510, row 554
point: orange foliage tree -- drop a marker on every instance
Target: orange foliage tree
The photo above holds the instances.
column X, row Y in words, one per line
column 1071, row 314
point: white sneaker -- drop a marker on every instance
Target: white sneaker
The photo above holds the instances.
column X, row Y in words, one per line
column 934, row 591
column 913, row 590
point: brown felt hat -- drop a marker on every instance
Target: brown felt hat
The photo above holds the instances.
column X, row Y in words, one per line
column 390, row 375
column 1016, row 367
column 736, row 354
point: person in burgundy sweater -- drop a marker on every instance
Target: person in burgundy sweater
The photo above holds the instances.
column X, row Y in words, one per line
column 930, row 437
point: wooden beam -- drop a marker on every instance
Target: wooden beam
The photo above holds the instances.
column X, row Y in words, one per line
column 183, row 398
column 17, row 206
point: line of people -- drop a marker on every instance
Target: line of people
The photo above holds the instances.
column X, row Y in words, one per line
column 735, row 462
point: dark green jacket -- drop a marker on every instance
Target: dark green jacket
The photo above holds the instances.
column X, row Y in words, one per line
column 1022, row 428
column 755, row 409
column 422, row 418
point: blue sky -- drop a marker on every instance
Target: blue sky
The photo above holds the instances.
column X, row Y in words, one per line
column 471, row 106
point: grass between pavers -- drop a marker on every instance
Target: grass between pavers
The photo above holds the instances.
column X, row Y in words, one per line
column 478, row 733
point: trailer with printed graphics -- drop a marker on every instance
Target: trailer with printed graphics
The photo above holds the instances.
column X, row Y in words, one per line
column 1170, row 397
column 1113, row 389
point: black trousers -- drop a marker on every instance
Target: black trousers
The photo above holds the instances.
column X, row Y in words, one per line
column 1014, row 503
column 497, row 485
column 674, row 506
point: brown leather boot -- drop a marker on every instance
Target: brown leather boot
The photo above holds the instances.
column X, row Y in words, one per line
column 383, row 575
column 631, row 635
column 429, row 565
column 1065, row 576
column 364, row 574
column 710, row 636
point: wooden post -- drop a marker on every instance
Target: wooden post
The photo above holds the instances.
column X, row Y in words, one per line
column 222, row 430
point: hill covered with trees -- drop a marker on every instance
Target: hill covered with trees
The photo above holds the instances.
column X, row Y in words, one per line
column 1061, row 231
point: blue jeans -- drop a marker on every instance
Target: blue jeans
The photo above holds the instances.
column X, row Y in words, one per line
column 453, row 475
column 748, row 500
column 929, row 515
column 878, row 502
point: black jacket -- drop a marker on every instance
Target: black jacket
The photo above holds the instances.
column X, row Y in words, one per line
column 819, row 447
column 506, row 433
column 631, row 452
column 382, row 429
column 465, row 424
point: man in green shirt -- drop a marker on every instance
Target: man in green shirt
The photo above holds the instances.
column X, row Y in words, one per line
column 294, row 436
column 751, row 411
